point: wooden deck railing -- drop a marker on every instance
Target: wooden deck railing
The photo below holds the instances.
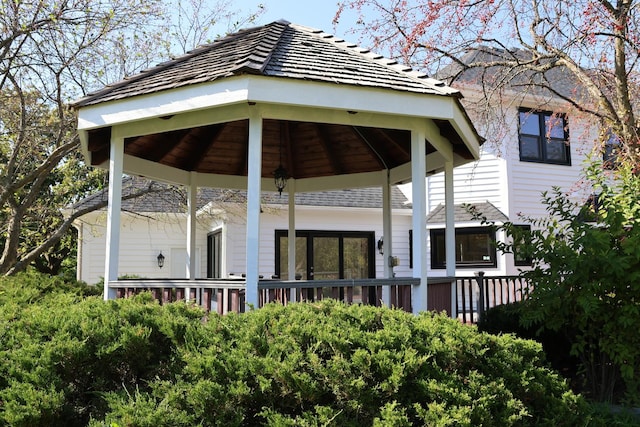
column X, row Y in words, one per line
column 473, row 295
column 225, row 296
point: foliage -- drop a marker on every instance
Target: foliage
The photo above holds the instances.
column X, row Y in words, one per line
column 506, row 318
column 73, row 360
column 586, row 278
column 584, row 52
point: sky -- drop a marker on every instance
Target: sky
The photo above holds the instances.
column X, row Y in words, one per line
column 316, row 13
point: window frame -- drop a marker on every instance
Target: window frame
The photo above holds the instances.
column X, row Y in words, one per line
column 542, row 138
column 440, row 232
column 214, row 254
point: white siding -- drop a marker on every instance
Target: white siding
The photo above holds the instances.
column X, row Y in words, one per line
column 143, row 237
column 480, row 181
column 141, row 240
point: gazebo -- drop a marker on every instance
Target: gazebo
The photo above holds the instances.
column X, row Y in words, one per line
column 280, row 107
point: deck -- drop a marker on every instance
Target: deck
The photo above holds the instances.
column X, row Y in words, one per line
column 465, row 298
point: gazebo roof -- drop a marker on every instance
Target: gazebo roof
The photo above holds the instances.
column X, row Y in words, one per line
column 279, row 49
column 329, row 109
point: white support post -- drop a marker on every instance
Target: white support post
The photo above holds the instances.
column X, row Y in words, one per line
column 192, row 206
column 254, row 179
column 450, row 233
column 291, row 237
column 116, row 159
column 419, row 192
column 387, row 236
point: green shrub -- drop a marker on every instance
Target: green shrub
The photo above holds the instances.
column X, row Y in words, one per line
column 61, row 355
column 586, row 278
column 313, row 364
column 73, row 360
column 506, row 319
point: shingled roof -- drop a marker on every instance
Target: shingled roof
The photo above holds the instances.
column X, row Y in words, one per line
column 492, row 67
column 172, row 199
column 468, row 212
column 278, row 49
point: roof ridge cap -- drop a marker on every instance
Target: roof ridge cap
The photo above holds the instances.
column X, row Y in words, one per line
column 275, row 30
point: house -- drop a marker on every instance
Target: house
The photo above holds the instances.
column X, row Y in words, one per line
column 343, row 226
column 280, row 107
column 535, row 141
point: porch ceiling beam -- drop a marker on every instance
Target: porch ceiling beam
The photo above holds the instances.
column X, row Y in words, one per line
column 338, row 182
column 186, row 120
column 402, row 173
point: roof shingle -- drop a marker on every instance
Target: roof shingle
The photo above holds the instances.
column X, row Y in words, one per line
column 278, row 49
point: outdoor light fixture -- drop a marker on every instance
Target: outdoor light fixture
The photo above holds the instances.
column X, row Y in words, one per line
column 381, row 246
column 280, row 175
column 160, row 260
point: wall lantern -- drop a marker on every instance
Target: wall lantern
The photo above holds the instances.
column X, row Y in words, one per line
column 381, row 245
column 160, row 260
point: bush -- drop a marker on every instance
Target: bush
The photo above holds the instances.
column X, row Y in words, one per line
column 586, row 279
column 507, row 319
column 313, row 364
column 73, row 360
column 63, row 352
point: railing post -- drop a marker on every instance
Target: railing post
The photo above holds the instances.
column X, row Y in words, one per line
column 481, row 303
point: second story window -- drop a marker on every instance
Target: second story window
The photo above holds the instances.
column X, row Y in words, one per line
column 611, row 151
column 543, row 137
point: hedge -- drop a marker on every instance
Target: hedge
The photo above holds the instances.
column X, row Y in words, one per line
column 74, row 360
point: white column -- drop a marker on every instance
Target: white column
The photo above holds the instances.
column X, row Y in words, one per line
column 291, row 254
column 450, row 232
column 192, row 206
column 387, row 235
column 253, row 205
column 419, row 221
column 116, row 159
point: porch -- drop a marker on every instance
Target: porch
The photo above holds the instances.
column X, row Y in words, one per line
column 464, row 298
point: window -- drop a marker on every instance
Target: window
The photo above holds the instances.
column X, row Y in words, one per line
column 327, row 255
column 214, row 255
column 520, row 258
column 610, row 152
column 474, row 248
column 544, row 138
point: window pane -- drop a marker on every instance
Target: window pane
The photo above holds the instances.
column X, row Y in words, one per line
column 301, row 257
column 326, row 258
column 557, row 151
column 611, row 148
column 356, row 256
column 438, row 251
column 529, row 147
column 554, row 126
column 473, row 248
column 529, row 123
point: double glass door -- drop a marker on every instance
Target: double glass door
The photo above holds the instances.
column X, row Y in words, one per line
column 327, row 255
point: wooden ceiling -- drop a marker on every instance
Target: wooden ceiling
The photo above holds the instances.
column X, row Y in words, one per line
column 304, row 149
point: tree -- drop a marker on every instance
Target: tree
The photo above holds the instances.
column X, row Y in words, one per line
column 586, row 278
column 594, row 42
column 52, row 52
